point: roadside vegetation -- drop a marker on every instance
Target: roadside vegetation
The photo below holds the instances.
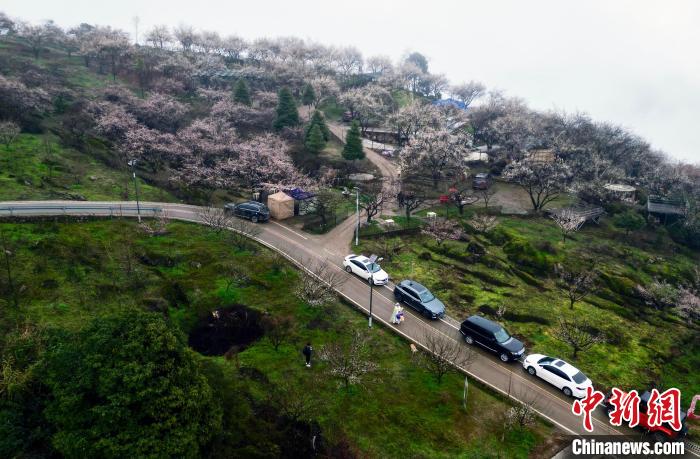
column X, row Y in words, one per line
column 518, row 270
column 78, row 280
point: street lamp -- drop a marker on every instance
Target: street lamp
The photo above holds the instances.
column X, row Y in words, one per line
column 373, row 259
column 132, row 163
column 357, row 209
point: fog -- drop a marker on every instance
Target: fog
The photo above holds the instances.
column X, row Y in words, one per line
column 634, row 63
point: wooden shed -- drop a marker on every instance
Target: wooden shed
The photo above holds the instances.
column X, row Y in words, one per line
column 281, row 205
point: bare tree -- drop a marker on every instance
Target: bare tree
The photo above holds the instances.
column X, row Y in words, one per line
column 158, row 225
column 242, row 232
column 577, row 334
column 462, row 198
column 278, row 330
column 577, row 284
column 486, row 195
column 688, row 305
column 349, row 361
column 543, row 181
column 410, row 199
column 235, row 276
column 569, row 221
column 444, row 355
column 8, row 253
column 521, row 415
column 8, row 132
column 216, row 219
column 468, row 92
column 442, row 230
column 293, row 401
column 325, row 205
column 318, row 284
column 372, row 201
column 483, row 223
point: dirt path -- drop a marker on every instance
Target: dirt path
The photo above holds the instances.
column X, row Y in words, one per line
column 387, row 168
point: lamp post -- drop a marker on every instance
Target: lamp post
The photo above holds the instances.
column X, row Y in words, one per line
column 357, row 210
column 373, row 259
column 132, row 163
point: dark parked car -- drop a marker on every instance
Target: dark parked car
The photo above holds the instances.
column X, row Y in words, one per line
column 481, row 181
column 252, row 210
column 492, row 336
column 419, row 298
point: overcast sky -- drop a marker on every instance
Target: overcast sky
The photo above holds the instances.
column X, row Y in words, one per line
column 636, row 63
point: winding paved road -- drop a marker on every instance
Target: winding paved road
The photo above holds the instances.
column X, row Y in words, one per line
column 508, row 379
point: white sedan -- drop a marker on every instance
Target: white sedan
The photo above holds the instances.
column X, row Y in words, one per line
column 558, row 373
column 365, row 268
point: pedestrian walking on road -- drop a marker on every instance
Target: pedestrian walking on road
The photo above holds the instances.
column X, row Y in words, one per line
column 307, row 353
column 395, row 314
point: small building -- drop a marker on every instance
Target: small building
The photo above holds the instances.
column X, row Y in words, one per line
column 621, row 191
column 304, row 201
column 281, row 205
column 665, row 207
column 541, row 156
column 380, row 135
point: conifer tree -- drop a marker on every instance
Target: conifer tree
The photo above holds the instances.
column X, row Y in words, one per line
column 309, row 95
column 287, row 114
column 314, row 141
column 241, row 94
column 353, row 143
column 317, row 119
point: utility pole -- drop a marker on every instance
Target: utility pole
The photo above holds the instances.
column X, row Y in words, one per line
column 136, row 21
column 132, row 163
column 357, row 209
column 373, row 260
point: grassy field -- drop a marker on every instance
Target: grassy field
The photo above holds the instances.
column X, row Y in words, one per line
column 39, row 167
column 517, row 270
column 72, row 271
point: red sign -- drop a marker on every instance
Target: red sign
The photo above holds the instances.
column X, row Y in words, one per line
column 586, row 405
column 444, row 198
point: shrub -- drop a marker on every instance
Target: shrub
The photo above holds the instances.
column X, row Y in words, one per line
column 499, row 236
column 525, row 255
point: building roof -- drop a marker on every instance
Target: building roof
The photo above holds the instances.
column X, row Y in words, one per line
column 619, row 187
column 545, row 155
column 659, row 205
column 299, row 194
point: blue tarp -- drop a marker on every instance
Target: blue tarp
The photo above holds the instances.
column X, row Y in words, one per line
column 299, row 194
column 453, row 102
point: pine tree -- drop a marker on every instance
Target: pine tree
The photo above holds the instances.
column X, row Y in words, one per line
column 314, row 141
column 287, row 114
column 353, row 143
column 309, row 95
column 241, row 94
column 317, row 119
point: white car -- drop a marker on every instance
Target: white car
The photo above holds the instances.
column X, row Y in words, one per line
column 363, row 267
column 558, row 373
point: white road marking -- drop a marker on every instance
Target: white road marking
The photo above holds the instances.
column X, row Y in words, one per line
column 290, row 230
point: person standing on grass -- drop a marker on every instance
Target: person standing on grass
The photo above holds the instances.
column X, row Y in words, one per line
column 307, row 353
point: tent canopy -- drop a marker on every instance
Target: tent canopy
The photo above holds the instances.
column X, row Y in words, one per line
column 281, row 205
column 299, row 194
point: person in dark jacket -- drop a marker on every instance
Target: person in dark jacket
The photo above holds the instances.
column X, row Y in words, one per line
column 307, row 353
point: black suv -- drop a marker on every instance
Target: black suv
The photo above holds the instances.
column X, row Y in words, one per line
column 252, row 210
column 492, row 336
column 419, row 298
